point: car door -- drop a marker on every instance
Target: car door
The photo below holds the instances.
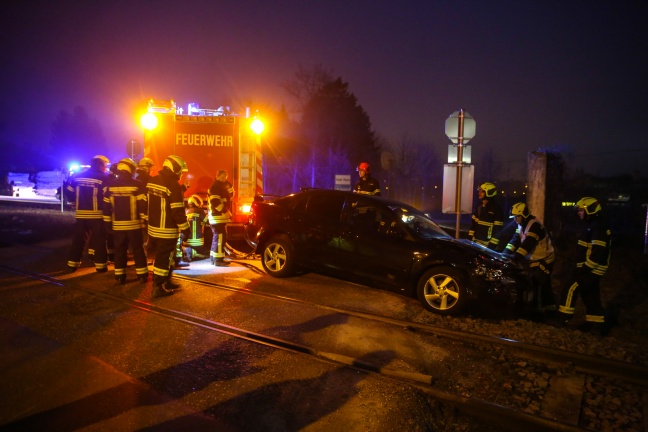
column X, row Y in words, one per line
column 376, row 247
column 320, row 233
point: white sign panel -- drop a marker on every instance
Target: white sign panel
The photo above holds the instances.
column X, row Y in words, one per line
column 343, row 182
column 450, row 190
column 452, row 154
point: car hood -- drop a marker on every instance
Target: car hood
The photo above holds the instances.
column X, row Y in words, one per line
column 476, row 249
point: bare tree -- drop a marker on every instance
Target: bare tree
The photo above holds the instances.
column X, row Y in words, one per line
column 414, row 171
column 490, row 168
column 306, row 83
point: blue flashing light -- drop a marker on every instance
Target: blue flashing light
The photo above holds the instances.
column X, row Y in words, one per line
column 74, row 167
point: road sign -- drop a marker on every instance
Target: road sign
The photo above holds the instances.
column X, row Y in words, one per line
column 460, row 127
column 133, row 148
column 343, row 182
column 452, row 127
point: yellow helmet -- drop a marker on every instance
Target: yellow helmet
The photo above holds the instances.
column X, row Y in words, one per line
column 489, row 188
column 121, row 166
column 145, row 163
column 589, row 204
column 131, row 164
column 520, row 209
column 195, row 200
column 176, row 164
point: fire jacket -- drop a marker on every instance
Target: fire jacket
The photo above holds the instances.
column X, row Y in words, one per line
column 532, row 242
column 143, row 176
column 166, row 214
column 197, row 219
column 220, row 202
column 594, row 245
column 367, row 186
column 124, row 203
column 86, row 190
column 487, row 224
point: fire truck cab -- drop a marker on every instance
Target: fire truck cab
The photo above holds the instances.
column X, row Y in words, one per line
column 208, row 140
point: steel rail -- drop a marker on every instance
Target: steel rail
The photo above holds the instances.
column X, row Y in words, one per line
column 494, row 414
column 583, row 363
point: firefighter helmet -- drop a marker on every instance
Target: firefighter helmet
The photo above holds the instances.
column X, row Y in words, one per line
column 489, row 189
column 176, row 164
column 364, row 166
column 195, row 200
column 145, row 163
column 520, row 209
column 123, row 166
column 131, row 164
column 589, row 204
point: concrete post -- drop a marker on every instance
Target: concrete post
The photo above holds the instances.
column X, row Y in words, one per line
column 536, row 195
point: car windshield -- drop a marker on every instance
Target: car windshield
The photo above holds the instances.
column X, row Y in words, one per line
column 420, row 224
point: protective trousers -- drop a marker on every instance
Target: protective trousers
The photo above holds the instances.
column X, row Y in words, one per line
column 164, row 259
column 133, row 239
column 96, row 232
column 589, row 288
column 217, row 251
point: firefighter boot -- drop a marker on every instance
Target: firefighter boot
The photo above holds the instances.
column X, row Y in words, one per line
column 220, row 262
column 168, row 284
column 179, row 264
column 159, row 290
column 561, row 320
column 172, row 286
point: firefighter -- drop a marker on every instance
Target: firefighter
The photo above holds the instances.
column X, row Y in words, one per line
column 112, row 177
column 531, row 244
column 366, row 184
column 487, row 219
column 86, row 190
column 124, row 209
column 143, row 173
column 592, row 256
column 131, row 164
column 166, row 217
column 220, row 214
column 194, row 246
column 144, row 168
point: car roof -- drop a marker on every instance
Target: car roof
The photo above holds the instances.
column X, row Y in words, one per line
column 387, row 201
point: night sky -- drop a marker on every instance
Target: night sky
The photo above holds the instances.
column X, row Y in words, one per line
column 533, row 74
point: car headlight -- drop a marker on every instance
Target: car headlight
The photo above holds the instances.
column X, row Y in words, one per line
column 491, row 271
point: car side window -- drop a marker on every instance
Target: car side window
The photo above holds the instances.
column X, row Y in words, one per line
column 325, row 206
column 366, row 217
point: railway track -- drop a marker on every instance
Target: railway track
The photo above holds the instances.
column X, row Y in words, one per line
column 583, row 363
column 493, row 413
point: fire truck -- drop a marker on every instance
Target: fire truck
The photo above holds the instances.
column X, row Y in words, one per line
column 208, row 140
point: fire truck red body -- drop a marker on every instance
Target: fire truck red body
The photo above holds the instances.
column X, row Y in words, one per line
column 208, row 140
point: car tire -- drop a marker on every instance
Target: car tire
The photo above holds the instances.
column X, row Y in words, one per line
column 277, row 257
column 442, row 291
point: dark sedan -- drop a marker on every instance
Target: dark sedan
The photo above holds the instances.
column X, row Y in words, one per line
column 380, row 243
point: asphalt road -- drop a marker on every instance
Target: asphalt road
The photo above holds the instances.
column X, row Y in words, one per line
column 74, row 358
